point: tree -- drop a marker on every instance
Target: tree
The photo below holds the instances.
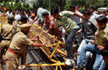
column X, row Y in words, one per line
column 60, row 3
column 26, row 6
column 7, row 6
column 19, row 6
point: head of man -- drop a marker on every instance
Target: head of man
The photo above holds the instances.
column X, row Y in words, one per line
column 102, row 21
column 25, row 28
column 36, row 7
column 73, row 8
column 10, row 19
column 45, row 15
column 86, row 14
column 56, row 14
column 23, row 19
column 92, row 9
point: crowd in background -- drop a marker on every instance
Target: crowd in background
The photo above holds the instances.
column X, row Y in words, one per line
column 87, row 29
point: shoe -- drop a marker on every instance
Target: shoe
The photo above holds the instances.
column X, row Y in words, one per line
column 22, row 67
column 80, row 67
column 70, row 62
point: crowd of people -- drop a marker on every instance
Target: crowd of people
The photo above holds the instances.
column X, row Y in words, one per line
column 90, row 26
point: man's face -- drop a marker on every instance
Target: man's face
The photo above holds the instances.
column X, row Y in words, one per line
column 71, row 9
column 36, row 10
column 91, row 10
column 46, row 17
column 57, row 15
column 101, row 26
column 86, row 17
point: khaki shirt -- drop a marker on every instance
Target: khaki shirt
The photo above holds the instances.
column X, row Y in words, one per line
column 20, row 42
column 6, row 31
column 102, row 38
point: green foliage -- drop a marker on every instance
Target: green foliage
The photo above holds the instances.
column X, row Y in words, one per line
column 82, row 4
column 13, row 5
column 54, row 5
column 26, row 6
column 7, row 5
column 19, row 6
column 35, row 4
column 68, row 4
column 95, row 3
column 48, row 4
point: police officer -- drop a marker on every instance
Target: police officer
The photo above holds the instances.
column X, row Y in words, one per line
column 18, row 46
column 6, row 33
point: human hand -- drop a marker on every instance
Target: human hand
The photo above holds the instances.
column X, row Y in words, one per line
column 78, row 31
column 97, row 34
column 33, row 39
column 92, row 42
column 44, row 43
column 100, row 47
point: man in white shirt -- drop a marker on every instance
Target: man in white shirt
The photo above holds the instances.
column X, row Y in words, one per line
column 9, row 13
column 94, row 15
column 17, row 17
column 74, row 17
column 39, row 12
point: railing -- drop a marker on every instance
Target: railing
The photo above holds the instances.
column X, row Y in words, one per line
column 52, row 43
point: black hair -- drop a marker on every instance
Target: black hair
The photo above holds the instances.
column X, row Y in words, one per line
column 73, row 7
column 22, row 12
column 45, row 13
column 23, row 19
column 53, row 10
column 56, row 11
column 101, row 19
column 36, row 6
column 92, row 7
column 86, row 12
column 13, row 13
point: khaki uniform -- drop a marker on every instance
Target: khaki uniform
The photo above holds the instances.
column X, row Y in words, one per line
column 102, row 39
column 19, row 44
column 6, row 32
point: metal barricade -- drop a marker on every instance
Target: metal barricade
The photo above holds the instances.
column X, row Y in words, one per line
column 52, row 43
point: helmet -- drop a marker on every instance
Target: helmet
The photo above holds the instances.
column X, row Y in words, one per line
column 10, row 18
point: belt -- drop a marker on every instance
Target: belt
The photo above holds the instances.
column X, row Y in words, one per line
column 13, row 51
column 6, row 39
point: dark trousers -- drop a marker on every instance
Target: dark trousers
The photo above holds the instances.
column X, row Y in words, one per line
column 69, row 43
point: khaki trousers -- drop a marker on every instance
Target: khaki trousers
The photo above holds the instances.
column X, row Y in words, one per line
column 3, row 46
column 12, row 62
